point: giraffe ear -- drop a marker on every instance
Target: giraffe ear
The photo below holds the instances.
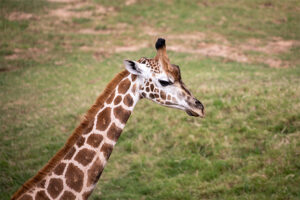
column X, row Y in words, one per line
column 133, row 67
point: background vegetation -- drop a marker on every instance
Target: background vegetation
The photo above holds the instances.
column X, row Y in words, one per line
column 240, row 58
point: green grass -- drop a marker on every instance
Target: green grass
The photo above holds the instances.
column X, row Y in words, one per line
column 247, row 147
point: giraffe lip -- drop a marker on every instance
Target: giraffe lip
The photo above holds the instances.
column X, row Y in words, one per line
column 194, row 114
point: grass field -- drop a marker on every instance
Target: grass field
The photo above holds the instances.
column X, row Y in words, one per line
column 240, row 58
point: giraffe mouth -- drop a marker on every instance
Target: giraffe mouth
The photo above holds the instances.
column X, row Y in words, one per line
column 194, row 114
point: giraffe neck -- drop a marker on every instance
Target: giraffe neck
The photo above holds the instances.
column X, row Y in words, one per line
column 76, row 174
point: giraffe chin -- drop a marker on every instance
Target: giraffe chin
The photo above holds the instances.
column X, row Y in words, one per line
column 194, row 114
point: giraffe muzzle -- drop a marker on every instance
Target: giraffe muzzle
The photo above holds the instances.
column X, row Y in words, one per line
column 197, row 109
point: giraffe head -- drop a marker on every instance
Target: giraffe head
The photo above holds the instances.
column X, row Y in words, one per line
column 160, row 81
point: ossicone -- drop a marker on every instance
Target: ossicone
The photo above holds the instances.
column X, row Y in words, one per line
column 160, row 43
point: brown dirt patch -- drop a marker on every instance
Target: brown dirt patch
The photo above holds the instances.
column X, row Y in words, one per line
column 273, row 62
column 63, row 1
column 17, row 16
column 15, row 55
column 151, row 31
column 115, row 49
column 130, row 48
column 212, row 50
column 275, row 46
column 30, row 53
column 95, row 32
column 72, row 10
column 130, row 2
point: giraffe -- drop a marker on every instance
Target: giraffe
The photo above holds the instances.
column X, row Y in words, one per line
column 74, row 171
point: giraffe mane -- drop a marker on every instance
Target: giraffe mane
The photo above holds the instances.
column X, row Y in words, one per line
column 73, row 138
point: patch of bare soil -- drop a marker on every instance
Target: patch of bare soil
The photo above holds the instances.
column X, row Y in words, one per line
column 273, row 62
column 130, row 2
column 212, row 50
column 94, row 32
column 275, row 46
column 17, row 16
column 62, row 1
column 130, row 48
column 193, row 36
column 151, row 31
column 30, row 53
column 75, row 10
column 15, row 55
column 115, row 49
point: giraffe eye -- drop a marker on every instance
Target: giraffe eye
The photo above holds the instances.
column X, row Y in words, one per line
column 165, row 83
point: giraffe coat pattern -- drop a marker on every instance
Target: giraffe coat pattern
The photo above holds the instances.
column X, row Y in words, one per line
column 75, row 170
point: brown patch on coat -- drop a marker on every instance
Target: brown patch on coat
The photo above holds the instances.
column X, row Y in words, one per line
column 68, row 196
column 84, row 125
column 117, row 100
column 74, row 177
column 114, row 132
column 133, row 88
column 41, row 195
column 55, row 187
column 70, row 153
column 103, row 119
column 110, row 98
column 80, row 141
column 85, row 156
column 163, row 95
column 59, row 169
column 94, row 140
column 133, row 77
column 121, row 114
column 128, row 101
column 124, row 86
column 152, row 87
column 94, row 172
column 86, row 195
column 106, row 149
column 151, row 95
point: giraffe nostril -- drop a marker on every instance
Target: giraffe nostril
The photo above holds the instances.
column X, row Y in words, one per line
column 199, row 104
